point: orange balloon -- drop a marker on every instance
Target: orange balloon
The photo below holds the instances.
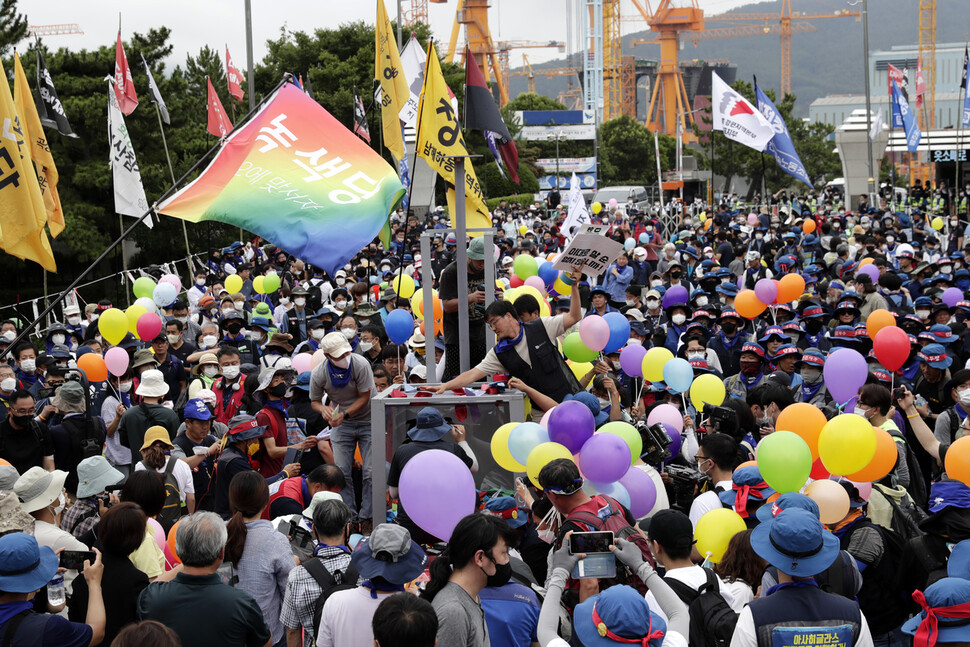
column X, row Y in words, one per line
column 808, row 226
column 3, row 462
column 957, row 461
column 748, row 305
column 171, row 542
column 438, row 327
column 790, row 287
column 747, row 464
column 804, row 420
column 864, row 262
column 93, row 366
column 882, row 462
column 878, row 320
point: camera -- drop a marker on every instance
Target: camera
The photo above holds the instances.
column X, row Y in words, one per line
column 655, row 442
column 686, row 482
column 722, row 419
column 898, row 392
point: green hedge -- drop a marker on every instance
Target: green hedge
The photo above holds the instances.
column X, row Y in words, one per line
column 521, row 198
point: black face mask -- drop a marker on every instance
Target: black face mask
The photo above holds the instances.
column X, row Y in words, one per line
column 729, row 327
column 22, row 421
column 812, row 326
column 503, row 573
column 234, row 329
column 279, row 390
column 675, row 275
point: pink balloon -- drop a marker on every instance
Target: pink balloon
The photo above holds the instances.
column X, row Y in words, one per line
column 149, row 325
column 752, row 219
column 301, row 362
column 317, row 359
column 667, row 414
column 594, row 331
column 172, row 280
column 116, row 359
column 871, row 270
column 170, row 559
column 766, row 290
column 537, row 283
column 613, row 203
column 158, row 533
column 544, row 423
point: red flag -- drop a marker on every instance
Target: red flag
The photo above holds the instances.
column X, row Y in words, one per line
column 920, row 84
column 219, row 124
column 233, row 78
column 124, row 84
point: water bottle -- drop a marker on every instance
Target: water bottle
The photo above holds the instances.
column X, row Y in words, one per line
column 55, row 591
column 519, row 501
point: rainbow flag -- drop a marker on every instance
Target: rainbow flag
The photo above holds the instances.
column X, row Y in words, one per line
column 297, row 177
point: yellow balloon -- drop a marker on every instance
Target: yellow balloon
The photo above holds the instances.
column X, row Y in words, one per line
column 597, row 207
column 580, row 369
column 703, row 216
column 258, row 285
column 707, row 389
column 653, row 363
column 937, row 223
column 541, row 298
column 846, row 444
column 523, row 229
column 403, row 285
column 233, row 283
column 500, row 448
column 864, row 262
column 417, row 304
column 541, row 456
column 113, row 325
column 714, row 530
column 132, row 314
column 560, row 287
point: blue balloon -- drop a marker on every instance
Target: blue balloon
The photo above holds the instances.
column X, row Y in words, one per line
column 548, row 273
column 644, row 238
column 619, row 331
column 678, row 374
column 399, row 325
column 629, row 244
column 613, row 490
column 524, row 438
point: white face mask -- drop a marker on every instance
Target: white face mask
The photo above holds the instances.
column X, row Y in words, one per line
column 227, row 311
column 8, row 383
column 340, row 282
column 964, row 397
column 230, row 372
column 57, row 338
column 759, row 236
column 209, row 341
column 349, row 333
column 238, row 305
column 299, row 302
column 652, row 304
column 365, row 346
column 73, row 321
column 341, row 363
column 702, row 301
column 923, row 314
column 679, row 319
column 811, row 375
column 284, row 301
column 631, row 302
column 318, row 333
column 182, row 320
column 173, row 339
column 9, row 335
column 211, row 371
column 200, row 282
column 340, row 305
column 61, row 502
column 125, row 387
column 859, row 411
column 28, row 365
column 697, row 355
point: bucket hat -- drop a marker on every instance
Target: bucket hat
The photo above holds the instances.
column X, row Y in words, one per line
column 618, row 615
column 152, row 384
column 796, row 543
column 38, row 488
column 389, row 553
column 95, row 475
column 431, row 426
column 24, row 566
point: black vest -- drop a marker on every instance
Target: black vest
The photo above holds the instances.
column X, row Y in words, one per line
column 549, row 372
column 792, row 608
column 293, row 322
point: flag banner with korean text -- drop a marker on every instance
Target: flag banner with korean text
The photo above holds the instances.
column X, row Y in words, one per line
column 906, row 118
column 49, row 107
column 233, row 78
column 440, row 141
column 129, row 192
column 124, row 87
column 297, row 177
column 901, row 77
column 737, row 118
column 781, row 146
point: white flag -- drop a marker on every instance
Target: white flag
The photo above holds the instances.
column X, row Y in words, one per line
column 877, row 125
column 129, row 193
column 413, row 60
column 737, row 118
column 577, row 215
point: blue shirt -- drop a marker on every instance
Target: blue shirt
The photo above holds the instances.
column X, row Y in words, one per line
column 511, row 613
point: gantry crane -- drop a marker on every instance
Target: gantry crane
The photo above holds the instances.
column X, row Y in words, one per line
column 64, row 29
column 549, row 72
column 528, row 73
column 503, row 47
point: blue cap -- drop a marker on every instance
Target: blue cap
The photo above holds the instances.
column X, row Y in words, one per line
column 728, row 289
column 787, row 501
column 619, row 611
column 796, row 543
column 303, row 381
column 948, row 592
column 758, row 491
column 690, row 250
column 592, row 403
column 505, row 508
column 197, row 410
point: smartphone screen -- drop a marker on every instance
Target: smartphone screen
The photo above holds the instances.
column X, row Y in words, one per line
column 74, row 559
column 590, row 542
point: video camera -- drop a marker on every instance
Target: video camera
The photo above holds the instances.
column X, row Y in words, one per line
column 722, row 419
column 687, row 483
column 655, row 443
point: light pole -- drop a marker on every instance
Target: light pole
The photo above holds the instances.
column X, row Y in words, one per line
column 559, row 136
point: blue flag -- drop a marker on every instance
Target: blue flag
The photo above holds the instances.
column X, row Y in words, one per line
column 901, row 108
column 781, row 146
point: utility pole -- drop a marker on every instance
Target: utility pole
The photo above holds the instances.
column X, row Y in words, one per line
column 249, row 55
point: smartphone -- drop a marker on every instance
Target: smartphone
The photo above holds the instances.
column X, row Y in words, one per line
column 591, row 543
column 74, row 559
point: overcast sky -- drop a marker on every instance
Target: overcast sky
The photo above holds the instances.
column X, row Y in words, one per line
column 217, row 23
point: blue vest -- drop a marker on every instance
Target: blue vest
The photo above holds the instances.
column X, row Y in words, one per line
column 797, row 615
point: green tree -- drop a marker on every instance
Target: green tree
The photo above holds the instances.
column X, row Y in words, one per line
column 628, row 155
column 13, row 26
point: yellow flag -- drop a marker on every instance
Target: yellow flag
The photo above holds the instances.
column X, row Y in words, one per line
column 22, row 213
column 39, row 149
column 394, row 87
column 440, row 138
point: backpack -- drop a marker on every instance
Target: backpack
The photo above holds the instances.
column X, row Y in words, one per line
column 329, row 583
column 923, row 556
column 917, row 484
column 301, row 541
column 172, row 510
column 712, row 620
column 614, row 520
column 85, row 441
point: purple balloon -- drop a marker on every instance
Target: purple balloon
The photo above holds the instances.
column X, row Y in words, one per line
column 604, row 458
column 667, row 414
column 766, row 290
column 676, row 441
column 676, row 294
column 436, row 478
column 643, row 492
column 741, row 282
column 845, row 371
column 869, row 270
column 951, row 296
column 631, row 360
column 571, row 424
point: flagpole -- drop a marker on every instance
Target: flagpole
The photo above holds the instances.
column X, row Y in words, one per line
column 960, row 108
column 127, row 232
column 171, row 170
column 764, row 171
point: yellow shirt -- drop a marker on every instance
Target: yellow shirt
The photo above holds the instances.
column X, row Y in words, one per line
column 149, row 558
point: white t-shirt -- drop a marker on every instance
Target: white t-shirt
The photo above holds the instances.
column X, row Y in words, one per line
column 491, row 364
column 662, row 502
column 182, row 473
column 706, row 502
column 346, row 618
column 694, row 577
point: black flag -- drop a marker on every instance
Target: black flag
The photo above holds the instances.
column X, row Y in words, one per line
column 481, row 113
column 360, row 119
column 153, row 94
column 966, row 58
column 49, row 107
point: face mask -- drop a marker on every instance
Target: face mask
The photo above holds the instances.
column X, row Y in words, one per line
column 702, row 301
column 922, row 314
column 230, row 372
column 125, row 387
column 340, row 305
column 693, row 356
column 173, row 339
column 652, row 304
column 811, row 375
column 341, row 282
column 503, row 573
column 61, row 502
column 8, row 384
column 299, row 302
column 227, row 311
column 365, row 346
column 9, row 335
column 279, row 390
column 341, row 363
column 631, row 302
column 675, row 275
column 284, row 301
column 656, row 284
column 617, row 366
column 890, row 239
column 349, row 333
column 759, row 236
column 964, row 397
column 679, row 319
column 238, row 305
column 649, row 230
column 859, row 411
column 211, row 371
column 209, row 341
column 252, row 450
column 200, row 282
column 73, row 321
column 318, row 333
column 234, row 328
column 57, row 339
column 750, row 369
column 28, row 365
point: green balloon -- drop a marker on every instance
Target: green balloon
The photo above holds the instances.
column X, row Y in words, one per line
column 271, row 283
column 143, row 287
column 628, row 433
column 525, row 266
column 576, row 350
column 785, row 461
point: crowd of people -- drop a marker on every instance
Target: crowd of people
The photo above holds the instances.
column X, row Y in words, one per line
column 214, row 494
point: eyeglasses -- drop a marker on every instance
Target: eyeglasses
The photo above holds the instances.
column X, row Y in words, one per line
column 23, row 412
column 493, row 323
